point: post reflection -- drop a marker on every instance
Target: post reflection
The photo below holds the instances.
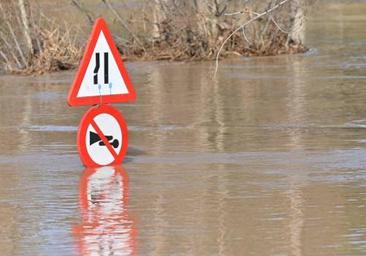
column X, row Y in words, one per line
column 106, row 227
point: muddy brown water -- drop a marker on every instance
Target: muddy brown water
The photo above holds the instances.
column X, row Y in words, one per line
column 270, row 159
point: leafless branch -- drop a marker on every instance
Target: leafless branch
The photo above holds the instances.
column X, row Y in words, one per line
column 268, row 11
column 82, row 9
column 123, row 23
column 245, row 36
column 278, row 26
column 7, row 44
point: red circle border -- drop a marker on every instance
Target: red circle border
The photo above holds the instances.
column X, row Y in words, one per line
column 83, row 127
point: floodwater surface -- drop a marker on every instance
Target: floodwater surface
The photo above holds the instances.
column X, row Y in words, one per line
column 268, row 159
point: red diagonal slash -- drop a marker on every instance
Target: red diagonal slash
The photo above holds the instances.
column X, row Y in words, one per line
column 104, row 139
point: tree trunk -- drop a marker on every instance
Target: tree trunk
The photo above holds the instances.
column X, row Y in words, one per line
column 297, row 30
column 158, row 17
column 207, row 20
column 25, row 16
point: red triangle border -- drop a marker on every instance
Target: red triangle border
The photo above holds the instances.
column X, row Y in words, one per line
column 100, row 26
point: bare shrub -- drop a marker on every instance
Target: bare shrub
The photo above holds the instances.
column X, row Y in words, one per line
column 30, row 42
column 196, row 29
column 33, row 43
column 60, row 49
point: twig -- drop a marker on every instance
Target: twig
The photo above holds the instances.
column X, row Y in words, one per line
column 13, row 36
column 17, row 44
column 234, row 13
column 123, row 23
column 263, row 32
column 278, row 26
column 240, row 12
column 242, row 26
column 245, row 36
column 7, row 44
column 6, row 64
column 5, row 58
column 83, row 10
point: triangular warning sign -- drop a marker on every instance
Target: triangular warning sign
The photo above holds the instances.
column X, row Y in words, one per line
column 102, row 77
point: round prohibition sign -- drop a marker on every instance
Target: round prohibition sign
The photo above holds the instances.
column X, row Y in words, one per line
column 102, row 137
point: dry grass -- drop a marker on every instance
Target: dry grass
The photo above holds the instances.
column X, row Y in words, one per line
column 60, row 50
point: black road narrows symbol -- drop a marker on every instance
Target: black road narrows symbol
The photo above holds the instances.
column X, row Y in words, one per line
column 96, row 69
column 97, row 66
column 106, row 76
column 104, row 139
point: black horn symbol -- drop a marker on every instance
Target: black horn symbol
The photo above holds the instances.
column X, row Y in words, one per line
column 94, row 138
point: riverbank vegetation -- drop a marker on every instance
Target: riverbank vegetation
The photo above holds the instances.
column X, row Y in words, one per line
column 33, row 42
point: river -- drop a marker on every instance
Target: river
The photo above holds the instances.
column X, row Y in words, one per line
column 268, row 159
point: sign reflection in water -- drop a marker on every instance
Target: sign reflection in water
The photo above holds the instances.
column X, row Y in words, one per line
column 106, row 227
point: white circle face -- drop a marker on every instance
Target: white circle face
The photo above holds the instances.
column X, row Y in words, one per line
column 110, row 128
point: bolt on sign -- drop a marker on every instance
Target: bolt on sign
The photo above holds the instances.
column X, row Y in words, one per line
column 102, row 79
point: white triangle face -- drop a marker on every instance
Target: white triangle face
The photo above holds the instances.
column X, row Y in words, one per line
column 107, row 79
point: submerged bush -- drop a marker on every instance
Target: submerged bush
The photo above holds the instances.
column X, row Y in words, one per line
column 196, row 30
column 155, row 30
